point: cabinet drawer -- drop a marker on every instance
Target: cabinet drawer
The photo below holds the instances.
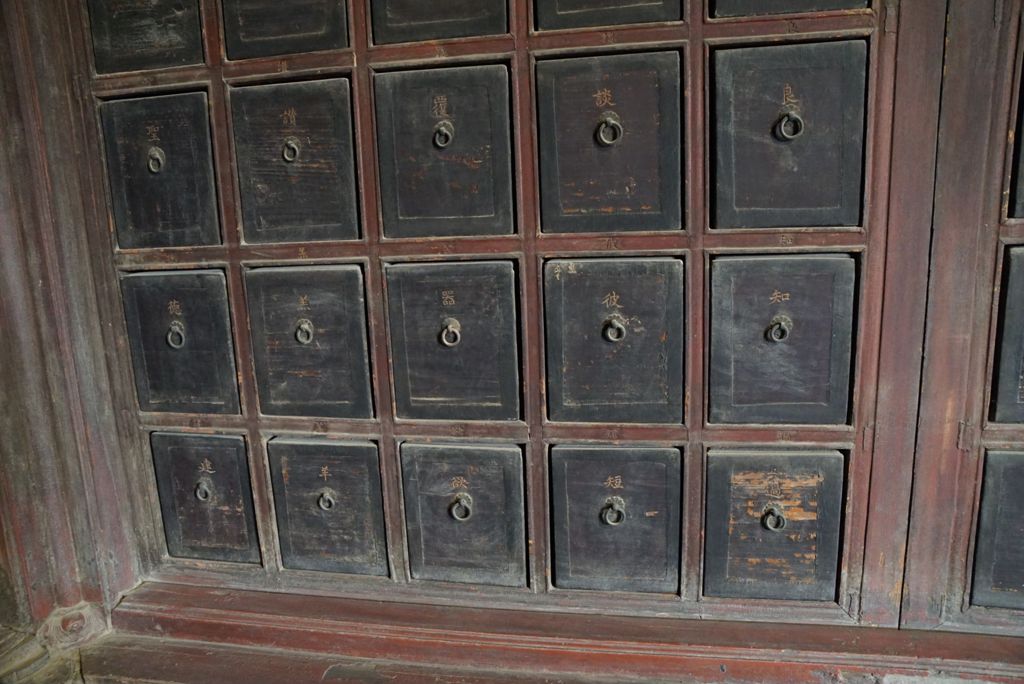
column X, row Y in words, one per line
column 181, row 341
column 560, row 14
column 309, row 341
column 464, row 513
column 128, row 35
column 781, row 329
column 1009, row 393
column 616, row 518
column 296, row 173
column 614, row 340
column 739, row 8
column 453, row 340
column 330, row 514
column 205, row 497
column 400, row 21
column 772, row 524
column 999, row 558
column 260, row 28
column 160, row 168
column 445, row 151
column 789, row 136
column 610, row 143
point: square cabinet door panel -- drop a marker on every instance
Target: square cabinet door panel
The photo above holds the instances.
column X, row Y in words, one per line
column 296, row 174
column 131, row 35
column 180, row 339
column 614, row 340
column 205, row 497
column 400, row 21
column 999, row 556
column 309, row 341
column 260, row 28
column 330, row 514
column 739, row 8
column 781, row 339
column 789, row 135
column 563, row 14
column 615, row 518
column 464, row 513
column 160, row 170
column 453, row 340
column 445, row 151
column 773, row 524
column 610, row 143
column 1009, row 393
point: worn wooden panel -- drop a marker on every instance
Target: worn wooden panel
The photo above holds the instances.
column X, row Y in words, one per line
column 308, row 328
column 614, row 332
column 129, row 35
column 464, row 513
column 773, row 524
column 180, row 339
column 160, row 169
column 293, row 145
column 781, row 338
column 560, row 14
column 399, row 21
column 330, row 512
column 261, row 28
column 789, row 135
column 615, row 518
column 609, row 143
column 205, row 497
column 738, row 8
column 444, row 150
column 999, row 555
column 454, row 340
column 1009, row 390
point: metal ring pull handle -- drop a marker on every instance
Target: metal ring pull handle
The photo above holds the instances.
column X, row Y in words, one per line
column 291, row 149
column 779, row 329
column 609, row 131
column 451, row 333
column 304, row 331
column 614, row 330
column 461, row 509
column 444, row 133
column 773, row 519
column 326, row 501
column 156, row 160
column 202, row 492
column 614, row 511
column 790, row 126
column 176, row 335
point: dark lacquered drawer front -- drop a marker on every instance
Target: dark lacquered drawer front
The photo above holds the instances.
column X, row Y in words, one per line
column 330, row 514
column 260, row 28
column 773, row 524
column 464, row 513
column 1009, row 390
column 160, row 168
column 614, row 339
column 561, row 14
column 789, row 135
column 399, row 21
column 205, row 497
column 180, row 339
column 739, row 8
column 454, row 340
column 781, row 339
column 296, row 171
column 445, row 151
column 309, row 341
column 610, row 143
column 128, row 36
column 615, row 518
column 999, row 554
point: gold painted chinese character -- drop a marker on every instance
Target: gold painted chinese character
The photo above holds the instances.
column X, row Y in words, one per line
column 571, row 267
column 603, row 98
column 459, row 482
column 153, row 133
column 174, row 307
column 447, row 297
column 788, row 96
column 304, row 302
column 779, row 297
column 773, row 487
column 325, row 473
column 206, row 467
column 289, row 116
column 440, row 107
column 614, row 482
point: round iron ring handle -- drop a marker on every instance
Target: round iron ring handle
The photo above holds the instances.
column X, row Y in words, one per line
column 614, row 512
column 779, row 330
column 773, row 519
column 156, row 160
column 609, row 130
column 444, row 134
column 291, row 149
column 790, row 126
column 614, row 330
column 451, row 333
column 304, row 331
column 202, row 492
column 176, row 335
column 461, row 509
column 326, row 501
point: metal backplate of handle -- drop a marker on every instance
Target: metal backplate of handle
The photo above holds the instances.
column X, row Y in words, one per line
column 156, row 159
column 304, row 331
column 614, row 330
column 290, row 150
column 176, row 335
column 790, row 126
column 780, row 328
column 451, row 332
column 444, row 134
column 461, row 508
column 614, row 511
column 773, row 518
column 609, row 129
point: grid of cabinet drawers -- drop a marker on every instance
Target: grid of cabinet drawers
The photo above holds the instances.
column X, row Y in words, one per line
column 462, row 330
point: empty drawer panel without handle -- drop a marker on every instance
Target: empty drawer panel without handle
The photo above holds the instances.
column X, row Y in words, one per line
column 562, row 14
column 398, row 21
column 999, row 555
column 129, row 36
column 261, row 28
column 738, row 8
column 1009, row 390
